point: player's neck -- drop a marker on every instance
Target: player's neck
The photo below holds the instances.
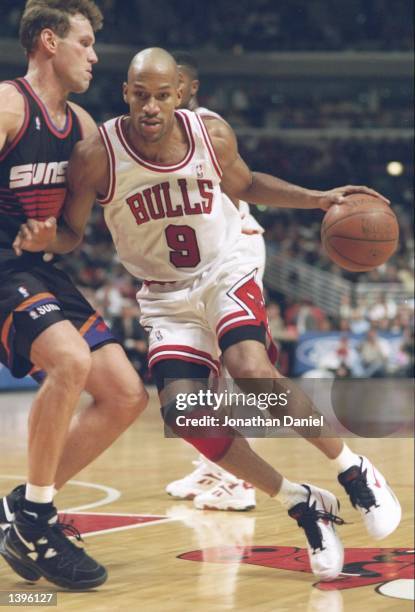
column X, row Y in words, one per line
column 48, row 88
column 193, row 104
column 157, row 151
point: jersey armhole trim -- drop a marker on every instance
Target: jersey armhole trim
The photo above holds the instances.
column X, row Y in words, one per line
column 23, row 127
column 209, row 146
column 108, row 196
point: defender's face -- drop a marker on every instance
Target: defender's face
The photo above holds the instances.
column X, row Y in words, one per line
column 75, row 55
column 152, row 97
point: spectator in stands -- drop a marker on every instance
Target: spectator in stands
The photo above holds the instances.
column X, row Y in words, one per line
column 373, row 355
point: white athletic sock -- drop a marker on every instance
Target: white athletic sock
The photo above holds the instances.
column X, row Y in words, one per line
column 346, row 459
column 291, row 494
column 39, row 495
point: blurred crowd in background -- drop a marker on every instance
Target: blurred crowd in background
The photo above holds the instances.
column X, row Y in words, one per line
column 250, row 26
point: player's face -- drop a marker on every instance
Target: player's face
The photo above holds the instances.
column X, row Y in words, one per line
column 75, row 55
column 152, row 97
column 188, row 86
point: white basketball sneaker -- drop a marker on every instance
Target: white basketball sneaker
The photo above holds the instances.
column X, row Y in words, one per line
column 204, row 477
column 317, row 516
column 230, row 494
column 371, row 495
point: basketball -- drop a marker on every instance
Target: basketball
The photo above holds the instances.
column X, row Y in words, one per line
column 360, row 234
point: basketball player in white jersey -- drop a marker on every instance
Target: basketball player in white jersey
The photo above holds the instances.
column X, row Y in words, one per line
column 209, row 485
column 158, row 173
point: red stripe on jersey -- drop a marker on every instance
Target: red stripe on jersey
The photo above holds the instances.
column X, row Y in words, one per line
column 22, row 130
column 42, row 191
column 42, row 199
column 55, row 131
column 209, row 147
column 111, row 163
column 119, row 126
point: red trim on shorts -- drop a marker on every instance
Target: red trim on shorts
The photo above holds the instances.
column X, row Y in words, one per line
column 8, row 322
column 230, row 316
column 229, row 322
column 183, row 353
column 111, row 162
column 209, row 146
column 119, row 126
column 23, row 128
column 55, row 131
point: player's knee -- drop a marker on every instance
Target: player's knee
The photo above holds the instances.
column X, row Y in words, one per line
column 127, row 400
column 132, row 402
column 70, row 366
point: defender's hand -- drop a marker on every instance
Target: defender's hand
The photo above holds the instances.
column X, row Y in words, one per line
column 338, row 195
column 34, row 235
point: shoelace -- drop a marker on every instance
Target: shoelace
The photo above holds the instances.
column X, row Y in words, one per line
column 308, row 521
column 64, row 530
column 360, row 493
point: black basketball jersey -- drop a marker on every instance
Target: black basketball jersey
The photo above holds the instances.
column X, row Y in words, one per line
column 33, row 170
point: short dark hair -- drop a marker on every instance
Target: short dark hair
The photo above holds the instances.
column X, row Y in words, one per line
column 188, row 61
column 54, row 14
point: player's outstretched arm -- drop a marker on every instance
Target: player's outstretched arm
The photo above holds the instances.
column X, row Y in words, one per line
column 238, row 181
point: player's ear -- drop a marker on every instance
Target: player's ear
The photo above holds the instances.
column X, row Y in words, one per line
column 125, row 92
column 179, row 96
column 194, row 88
column 48, row 40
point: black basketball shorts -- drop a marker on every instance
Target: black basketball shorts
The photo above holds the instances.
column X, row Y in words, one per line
column 31, row 300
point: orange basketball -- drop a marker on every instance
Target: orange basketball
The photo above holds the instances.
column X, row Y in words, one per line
column 360, row 234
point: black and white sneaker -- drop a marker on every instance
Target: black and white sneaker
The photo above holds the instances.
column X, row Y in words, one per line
column 9, row 504
column 317, row 517
column 41, row 547
column 371, row 495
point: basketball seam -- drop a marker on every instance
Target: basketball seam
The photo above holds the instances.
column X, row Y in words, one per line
column 356, row 214
column 360, row 239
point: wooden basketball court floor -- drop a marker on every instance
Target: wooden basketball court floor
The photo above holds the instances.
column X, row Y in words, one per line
column 174, row 558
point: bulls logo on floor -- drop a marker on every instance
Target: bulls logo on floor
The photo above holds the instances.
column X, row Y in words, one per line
column 392, row 569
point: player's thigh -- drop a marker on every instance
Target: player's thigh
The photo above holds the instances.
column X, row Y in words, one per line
column 77, row 309
column 60, row 348
column 178, row 329
column 113, row 377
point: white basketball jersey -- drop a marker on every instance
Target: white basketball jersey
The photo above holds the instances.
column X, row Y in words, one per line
column 168, row 222
column 249, row 223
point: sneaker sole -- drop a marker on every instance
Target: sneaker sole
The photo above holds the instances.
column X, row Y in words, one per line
column 186, row 498
column 30, row 572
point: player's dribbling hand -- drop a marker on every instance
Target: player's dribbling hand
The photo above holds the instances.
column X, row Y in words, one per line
column 34, row 235
column 338, row 195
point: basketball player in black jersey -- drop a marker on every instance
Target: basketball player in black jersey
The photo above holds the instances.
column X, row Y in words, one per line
column 46, row 327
